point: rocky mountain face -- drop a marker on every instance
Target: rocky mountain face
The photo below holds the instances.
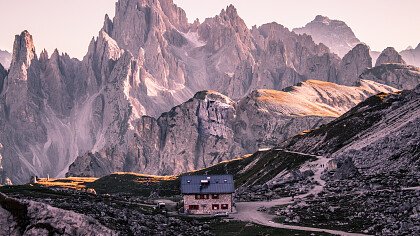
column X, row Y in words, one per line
column 378, row 136
column 5, row 59
column 373, row 167
column 146, row 61
column 389, row 55
column 412, row 56
column 178, row 58
column 210, row 128
column 55, row 108
column 396, row 75
column 335, row 34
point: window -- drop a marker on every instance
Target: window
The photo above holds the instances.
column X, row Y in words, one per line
column 215, row 206
column 193, row 207
column 215, row 196
column 202, row 196
column 225, row 206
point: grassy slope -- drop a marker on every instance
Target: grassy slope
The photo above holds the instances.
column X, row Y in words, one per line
column 250, row 170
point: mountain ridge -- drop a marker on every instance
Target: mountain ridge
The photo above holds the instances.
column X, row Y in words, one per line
column 211, row 128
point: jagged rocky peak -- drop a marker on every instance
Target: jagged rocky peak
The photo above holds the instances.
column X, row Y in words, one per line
column 225, row 29
column 389, row 55
column 23, row 54
column 335, row 34
column 107, row 46
column 44, row 55
column 353, row 64
column 230, row 13
column 136, row 20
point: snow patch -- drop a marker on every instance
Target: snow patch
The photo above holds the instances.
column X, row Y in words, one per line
column 194, row 39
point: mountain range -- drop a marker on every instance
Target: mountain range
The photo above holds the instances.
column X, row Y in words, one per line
column 340, row 39
column 111, row 108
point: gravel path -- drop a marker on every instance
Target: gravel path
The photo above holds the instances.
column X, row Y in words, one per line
column 248, row 211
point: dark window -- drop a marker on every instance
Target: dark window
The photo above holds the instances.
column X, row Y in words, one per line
column 193, row 207
column 202, row 196
column 215, row 196
column 225, row 206
column 215, row 206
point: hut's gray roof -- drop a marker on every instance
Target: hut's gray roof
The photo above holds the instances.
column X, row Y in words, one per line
column 191, row 184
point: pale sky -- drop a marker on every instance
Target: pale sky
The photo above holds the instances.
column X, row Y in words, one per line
column 69, row 25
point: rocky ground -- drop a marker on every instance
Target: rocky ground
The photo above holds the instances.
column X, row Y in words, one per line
column 370, row 207
column 126, row 216
column 266, row 192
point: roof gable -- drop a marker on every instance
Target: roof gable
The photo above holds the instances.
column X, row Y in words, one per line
column 207, row 184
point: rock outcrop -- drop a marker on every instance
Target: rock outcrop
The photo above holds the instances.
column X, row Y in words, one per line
column 389, row 55
column 34, row 218
column 354, row 63
column 333, row 33
column 210, row 128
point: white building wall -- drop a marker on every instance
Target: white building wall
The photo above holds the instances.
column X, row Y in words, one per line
column 206, row 205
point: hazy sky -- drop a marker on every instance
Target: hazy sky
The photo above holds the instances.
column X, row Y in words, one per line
column 69, row 25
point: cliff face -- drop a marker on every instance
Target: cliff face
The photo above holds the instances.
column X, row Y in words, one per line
column 354, row 63
column 56, row 108
column 210, row 128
